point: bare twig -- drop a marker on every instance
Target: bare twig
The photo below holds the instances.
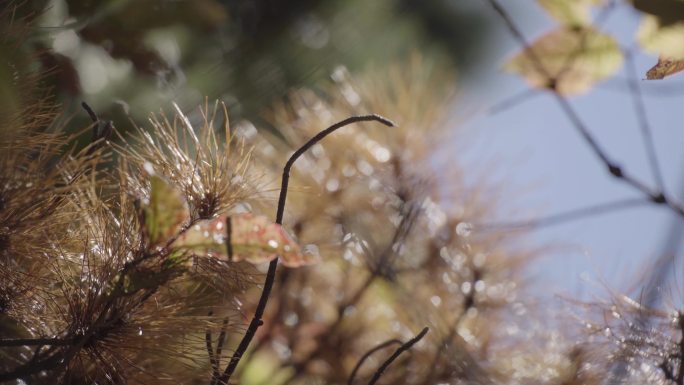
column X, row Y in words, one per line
column 396, row 354
column 564, row 217
column 90, row 112
column 620, row 84
column 640, row 109
column 369, row 353
column 270, row 275
column 212, row 358
column 221, row 341
column 229, row 234
column 215, row 356
column 101, row 129
column 380, row 269
column 512, row 101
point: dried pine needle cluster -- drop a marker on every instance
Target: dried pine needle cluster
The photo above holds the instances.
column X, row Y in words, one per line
column 120, row 261
column 87, row 297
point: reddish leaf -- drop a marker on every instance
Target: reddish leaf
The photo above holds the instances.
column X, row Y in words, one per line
column 665, row 67
column 253, row 238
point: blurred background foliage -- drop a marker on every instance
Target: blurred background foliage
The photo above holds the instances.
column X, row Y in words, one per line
column 131, row 57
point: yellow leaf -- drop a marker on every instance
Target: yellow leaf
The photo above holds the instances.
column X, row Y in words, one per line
column 662, row 40
column 572, row 60
column 573, row 13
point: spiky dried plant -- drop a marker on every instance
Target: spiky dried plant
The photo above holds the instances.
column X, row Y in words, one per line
column 210, row 173
column 394, row 258
column 633, row 343
column 88, row 295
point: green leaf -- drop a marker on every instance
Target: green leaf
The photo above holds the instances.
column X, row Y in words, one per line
column 572, row 60
column 665, row 67
column 165, row 212
column 252, row 238
column 662, row 40
column 573, row 13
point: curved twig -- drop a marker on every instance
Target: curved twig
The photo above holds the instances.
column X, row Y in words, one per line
column 369, row 353
column 270, row 275
column 401, row 349
column 102, row 129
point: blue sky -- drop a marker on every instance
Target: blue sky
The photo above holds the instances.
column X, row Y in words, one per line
column 537, row 150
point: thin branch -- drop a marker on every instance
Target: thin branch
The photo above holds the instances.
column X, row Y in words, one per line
column 564, row 217
column 101, row 129
column 396, row 354
column 529, row 51
column 91, row 113
column 539, row 66
column 369, row 353
column 229, row 234
column 212, row 358
column 270, row 275
column 311, row 143
column 221, row 341
column 513, row 101
column 601, row 17
column 640, row 110
column 215, row 357
column 613, row 168
column 620, row 84
column 376, row 271
column 656, row 196
column 447, row 341
column 301, row 365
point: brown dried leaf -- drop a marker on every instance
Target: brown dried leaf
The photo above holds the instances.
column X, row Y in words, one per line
column 665, row 67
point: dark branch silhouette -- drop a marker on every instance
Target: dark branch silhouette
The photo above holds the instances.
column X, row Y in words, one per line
column 513, row 101
column 213, row 360
column 369, row 353
column 396, row 354
column 270, row 275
